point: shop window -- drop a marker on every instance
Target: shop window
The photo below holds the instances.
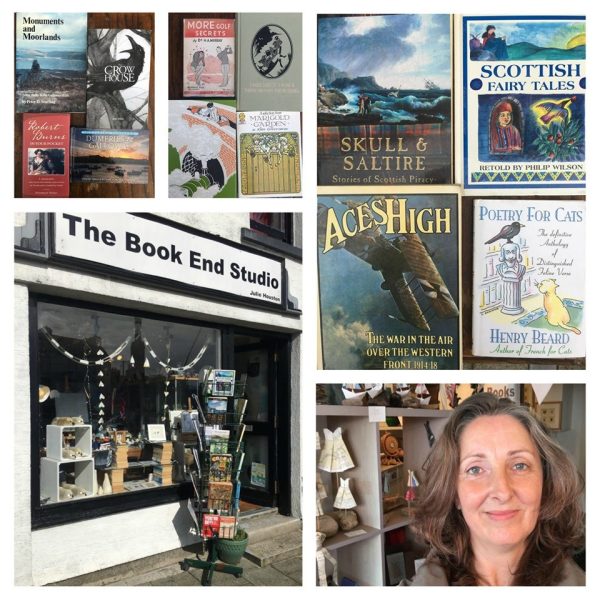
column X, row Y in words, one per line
column 111, row 385
column 30, row 233
column 274, row 231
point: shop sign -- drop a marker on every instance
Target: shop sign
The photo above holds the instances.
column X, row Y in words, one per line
column 151, row 248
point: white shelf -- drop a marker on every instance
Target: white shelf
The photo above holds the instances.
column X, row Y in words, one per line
column 55, row 440
column 83, row 470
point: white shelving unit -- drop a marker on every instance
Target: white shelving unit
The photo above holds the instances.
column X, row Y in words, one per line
column 362, row 557
column 50, row 467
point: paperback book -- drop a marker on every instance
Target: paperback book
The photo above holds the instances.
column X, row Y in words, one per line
column 50, row 63
column 210, row 525
column 524, row 87
column 528, row 282
column 269, row 152
column 202, row 149
column 209, row 58
column 389, row 281
column 46, row 155
column 220, row 467
column 269, row 71
column 109, row 156
column 384, row 100
column 118, row 78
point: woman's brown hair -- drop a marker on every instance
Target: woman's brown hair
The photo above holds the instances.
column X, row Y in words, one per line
column 559, row 530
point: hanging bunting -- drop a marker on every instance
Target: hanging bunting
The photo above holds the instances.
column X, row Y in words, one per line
column 167, row 366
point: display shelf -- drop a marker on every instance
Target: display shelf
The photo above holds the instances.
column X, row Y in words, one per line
column 55, row 440
column 344, row 538
column 83, row 471
column 393, row 519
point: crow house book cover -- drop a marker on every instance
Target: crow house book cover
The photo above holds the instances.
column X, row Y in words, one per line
column 384, row 100
column 528, row 278
column 109, row 155
column 118, row 78
column 50, row 62
column 389, row 281
column 524, row 86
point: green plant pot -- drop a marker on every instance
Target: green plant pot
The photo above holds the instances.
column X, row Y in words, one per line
column 231, row 551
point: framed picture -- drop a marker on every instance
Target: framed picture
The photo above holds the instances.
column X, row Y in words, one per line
column 156, row 433
column 396, row 571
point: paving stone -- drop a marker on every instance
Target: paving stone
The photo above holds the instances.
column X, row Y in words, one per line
column 269, row 576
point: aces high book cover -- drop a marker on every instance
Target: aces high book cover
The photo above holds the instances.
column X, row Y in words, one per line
column 384, row 104
column 202, row 149
column 46, row 155
column 269, row 152
column 389, row 281
column 524, row 88
column 118, row 78
column 209, row 58
column 528, row 286
column 50, row 62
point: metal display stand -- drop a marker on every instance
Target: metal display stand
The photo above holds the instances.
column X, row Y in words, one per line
column 206, row 471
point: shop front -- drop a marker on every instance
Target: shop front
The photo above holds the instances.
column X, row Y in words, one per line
column 123, row 322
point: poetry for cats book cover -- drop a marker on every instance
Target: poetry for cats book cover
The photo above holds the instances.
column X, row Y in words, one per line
column 528, row 288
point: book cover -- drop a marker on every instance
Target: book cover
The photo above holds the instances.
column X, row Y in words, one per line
column 216, row 411
column 210, row 525
column 269, row 61
column 384, row 100
column 220, row 467
column 389, row 281
column 50, row 63
column 202, row 149
column 118, row 78
column 45, row 161
column 227, row 527
column 528, row 278
column 219, row 495
column 109, row 155
column 209, row 58
column 269, row 153
column 524, row 87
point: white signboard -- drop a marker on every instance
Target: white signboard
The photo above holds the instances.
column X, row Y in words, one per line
column 145, row 247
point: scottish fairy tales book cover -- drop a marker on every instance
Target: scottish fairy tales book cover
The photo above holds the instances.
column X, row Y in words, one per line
column 269, row 152
column 389, row 281
column 528, row 288
column 110, row 155
column 209, row 58
column 524, row 89
column 118, row 78
column 50, row 62
column 384, row 100
column 202, row 149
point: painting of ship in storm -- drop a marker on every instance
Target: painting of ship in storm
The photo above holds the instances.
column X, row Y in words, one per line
column 387, row 79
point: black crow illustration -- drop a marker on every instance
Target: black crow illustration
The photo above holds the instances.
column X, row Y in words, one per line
column 120, row 74
column 508, row 232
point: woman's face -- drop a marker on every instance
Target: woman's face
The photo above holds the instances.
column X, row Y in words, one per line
column 504, row 118
column 499, row 482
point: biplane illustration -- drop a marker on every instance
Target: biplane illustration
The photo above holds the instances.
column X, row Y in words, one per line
column 407, row 268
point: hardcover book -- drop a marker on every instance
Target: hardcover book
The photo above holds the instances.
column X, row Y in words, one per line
column 202, row 147
column 384, row 100
column 269, row 75
column 109, row 155
column 209, row 58
column 46, row 155
column 528, row 281
column 524, row 87
column 118, row 78
column 389, row 281
column 50, row 62
column 269, row 152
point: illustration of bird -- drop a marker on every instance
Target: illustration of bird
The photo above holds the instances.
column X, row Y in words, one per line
column 119, row 74
column 508, row 232
column 550, row 110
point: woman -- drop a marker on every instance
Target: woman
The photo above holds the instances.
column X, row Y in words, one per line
column 505, row 138
column 500, row 501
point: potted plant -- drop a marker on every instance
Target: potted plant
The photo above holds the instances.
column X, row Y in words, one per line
column 230, row 551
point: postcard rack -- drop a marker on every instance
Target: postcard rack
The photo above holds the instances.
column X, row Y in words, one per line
column 218, row 459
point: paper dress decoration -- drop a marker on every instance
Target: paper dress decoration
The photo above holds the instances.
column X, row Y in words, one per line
column 334, row 457
column 411, row 485
column 422, row 393
column 344, row 498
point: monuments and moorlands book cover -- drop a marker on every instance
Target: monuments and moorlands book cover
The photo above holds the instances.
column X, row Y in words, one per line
column 202, row 149
column 50, row 62
column 109, row 155
column 269, row 153
column 45, row 164
column 389, row 281
column 269, row 71
column 528, row 278
column 208, row 58
column 384, row 100
column 524, row 86
column 118, row 78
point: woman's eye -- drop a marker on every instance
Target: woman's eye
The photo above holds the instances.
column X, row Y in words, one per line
column 474, row 470
column 521, row 467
